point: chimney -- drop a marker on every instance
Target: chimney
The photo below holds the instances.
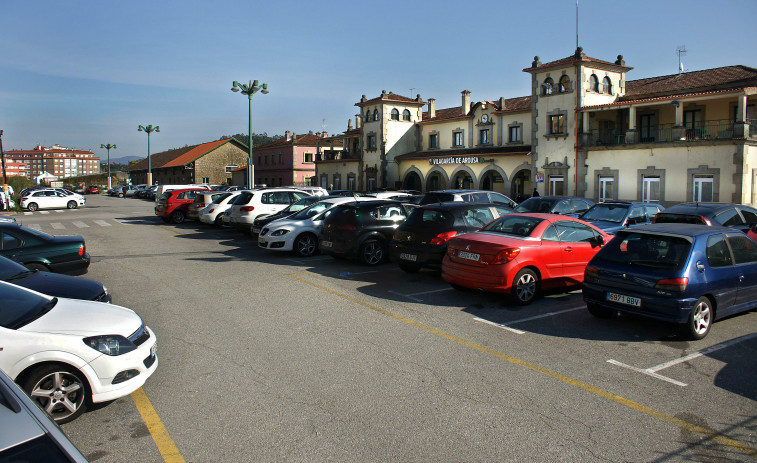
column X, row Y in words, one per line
column 431, row 108
column 349, row 124
column 466, row 102
column 501, row 103
column 324, row 134
column 358, row 121
column 288, row 135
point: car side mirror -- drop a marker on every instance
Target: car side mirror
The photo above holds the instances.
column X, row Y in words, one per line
column 600, row 240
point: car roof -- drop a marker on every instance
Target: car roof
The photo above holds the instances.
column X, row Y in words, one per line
column 460, row 205
column 699, row 207
column 682, row 229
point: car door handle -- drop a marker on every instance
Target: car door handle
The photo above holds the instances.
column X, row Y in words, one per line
column 741, row 278
column 568, row 249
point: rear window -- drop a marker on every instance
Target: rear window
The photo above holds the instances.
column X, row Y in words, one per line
column 478, row 216
column 513, row 225
column 608, row 212
column 243, row 198
column 423, row 217
column 646, row 250
column 165, row 196
column 667, row 217
column 219, row 198
column 438, row 198
column 536, row 205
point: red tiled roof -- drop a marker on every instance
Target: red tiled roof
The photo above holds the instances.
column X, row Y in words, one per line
column 571, row 60
column 518, row 104
column 695, row 81
column 181, row 156
column 390, row 97
column 679, row 96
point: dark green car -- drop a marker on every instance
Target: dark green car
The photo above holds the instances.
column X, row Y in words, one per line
column 40, row 251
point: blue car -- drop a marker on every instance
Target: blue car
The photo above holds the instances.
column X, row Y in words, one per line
column 687, row 274
column 613, row 216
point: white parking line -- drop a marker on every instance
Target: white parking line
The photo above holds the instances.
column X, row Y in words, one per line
column 44, row 212
column 102, row 223
column 122, row 222
column 80, row 224
column 35, row 226
column 412, row 295
column 58, row 226
column 28, row 213
column 652, row 371
column 506, row 326
column 57, row 211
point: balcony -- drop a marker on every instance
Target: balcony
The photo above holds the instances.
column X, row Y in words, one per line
column 722, row 129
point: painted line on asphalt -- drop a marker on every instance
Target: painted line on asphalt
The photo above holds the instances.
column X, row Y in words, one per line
column 506, row 326
column 28, row 213
column 169, row 232
column 158, row 431
column 44, row 212
column 691, row 427
column 652, row 371
column 411, row 296
column 58, row 226
column 35, row 226
column 80, row 224
column 102, row 223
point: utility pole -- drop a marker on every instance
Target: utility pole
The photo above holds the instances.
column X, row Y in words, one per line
column 6, row 198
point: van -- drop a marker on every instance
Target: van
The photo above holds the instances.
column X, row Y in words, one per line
column 163, row 188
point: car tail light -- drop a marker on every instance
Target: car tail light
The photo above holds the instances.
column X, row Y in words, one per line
column 506, row 255
column 591, row 273
column 672, row 284
column 442, row 238
column 82, row 249
column 246, row 208
column 211, row 211
column 706, row 221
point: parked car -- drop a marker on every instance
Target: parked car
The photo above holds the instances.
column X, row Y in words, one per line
column 50, row 199
column 39, row 251
column 681, row 273
column 735, row 216
column 753, row 232
column 363, row 230
column 299, row 232
column 6, row 202
column 173, row 204
column 69, row 353
column 522, row 254
column 563, row 205
column 251, row 203
column 163, row 188
column 29, row 434
column 52, row 284
column 421, row 240
column 613, row 216
column 312, row 190
column 468, row 196
column 79, row 189
column 7, row 219
column 202, row 200
column 264, row 219
column 93, row 190
column 348, row 193
column 213, row 213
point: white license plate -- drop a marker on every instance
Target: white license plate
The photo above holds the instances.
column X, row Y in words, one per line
column 262, row 242
column 410, row 257
column 256, row 230
column 154, row 350
column 468, row 255
column 326, row 244
column 623, row 299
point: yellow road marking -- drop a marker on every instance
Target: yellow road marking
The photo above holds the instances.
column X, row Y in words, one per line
column 168, row 231
column 708, row 433
column 158, row 432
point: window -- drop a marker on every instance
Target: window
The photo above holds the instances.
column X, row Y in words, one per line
column 574, row 232
column 564, row 84
column 10, row 242
column 718, row 254
column 647, row 128
column 607, row 86
column 557, row 124
column 375, row 115
column 594, row 83
column 692, row 120
column 308, row 157
column 337, row 182
column 351, row 183
column 606, row 189
column 205, row 180
column 744, row 249
column 516, row 134
column 546, row 87
column 483, row 138
column 650, row 192
column 266, row 159
column 703, row 189
column 372, row 142
column 368, row 115
column 395, row 114
column 556, row 185
column 457, row 139
column 433, row 140
column 281, row 158
column 406, row 115
column 729, row 218
column 750, row 215
column 260, row 162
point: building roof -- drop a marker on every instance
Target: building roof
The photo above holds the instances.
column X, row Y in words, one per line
column 578, row 57
column 389, row 97
column 308, row 139
column 512, row 105
column 180, row 156
column 727, row 77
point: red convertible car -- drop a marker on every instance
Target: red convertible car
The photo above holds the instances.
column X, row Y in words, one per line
column 521, row 254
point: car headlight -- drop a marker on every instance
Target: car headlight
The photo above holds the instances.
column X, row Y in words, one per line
column 110, row 344
column 280, row 232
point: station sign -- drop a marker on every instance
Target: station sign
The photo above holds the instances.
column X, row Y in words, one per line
column 457, row 160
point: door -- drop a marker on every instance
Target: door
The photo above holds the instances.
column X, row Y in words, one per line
column 745, row 263
column 606, row 188
column 551, row 255
column 578, row 246
column 650, row 192
column 556, row 187
column 703, row 189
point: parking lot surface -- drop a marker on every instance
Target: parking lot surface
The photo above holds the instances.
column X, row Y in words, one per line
column 268, row 357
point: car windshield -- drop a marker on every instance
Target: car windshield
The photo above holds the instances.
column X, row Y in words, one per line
column 517, row 225
column 607, row 212
column 313, row 209
column 536, row 205
column 21, row 307
column 646, row 250
column 10, row 270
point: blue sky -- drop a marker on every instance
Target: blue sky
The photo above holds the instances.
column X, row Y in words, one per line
column 80, row 73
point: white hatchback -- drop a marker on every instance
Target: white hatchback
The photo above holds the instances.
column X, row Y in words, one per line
column 213, row 213
column 69, row 353
column 251, row 203
column 51, row 199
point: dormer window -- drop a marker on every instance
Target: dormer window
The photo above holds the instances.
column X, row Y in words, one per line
column 607, row 86
column 395, row 114
column 406, row 115
column 564, row 84
column 546, row 87
column 375, row 115
column 594, row 83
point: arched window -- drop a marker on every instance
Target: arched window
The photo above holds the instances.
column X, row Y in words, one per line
column 564, row 84
column 406, row 115
column 546, row 87
column 368, row 115
column 607, row 86
column 375, row 115
column 594, row 83
column 395, row 114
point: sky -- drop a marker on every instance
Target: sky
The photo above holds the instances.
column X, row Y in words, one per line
column 81, row 73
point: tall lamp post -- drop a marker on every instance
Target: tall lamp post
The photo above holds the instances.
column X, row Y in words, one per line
column 108, row 147
column 149, row 129
column 250, row 89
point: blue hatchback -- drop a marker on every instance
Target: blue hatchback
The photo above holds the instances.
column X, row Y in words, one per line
column 682, row 273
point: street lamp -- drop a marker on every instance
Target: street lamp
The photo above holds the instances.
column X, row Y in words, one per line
column 149, row 129
column 108, row 147
column 249, row 90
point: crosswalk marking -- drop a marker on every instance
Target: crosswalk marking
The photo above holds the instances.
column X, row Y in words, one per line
column 58, row 226
column 102, row 223
column 44, row 212
column 35, row 226
column 80, row 224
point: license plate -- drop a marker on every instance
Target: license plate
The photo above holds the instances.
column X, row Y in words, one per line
column 468, row 255
column 410, row 257
column 154, row 350
column 623, row 299
column 326, row 244
column 256, row 230
column 262, row 242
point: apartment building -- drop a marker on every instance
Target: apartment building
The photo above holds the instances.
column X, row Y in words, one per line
column 57, row 161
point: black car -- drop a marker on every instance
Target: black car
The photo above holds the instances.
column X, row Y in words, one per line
column 563, row 205
column 264, row 219
column 735, row 216
column 52, row 284
column 39, row 251
column 421, row 241
column 362, row 229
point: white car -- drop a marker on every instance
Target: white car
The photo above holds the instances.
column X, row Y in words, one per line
column 251, row 203
column 299, row 232
column 51, row 199
column 68, row 353
column 213, row 213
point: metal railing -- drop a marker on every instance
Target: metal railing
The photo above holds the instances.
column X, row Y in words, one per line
column 721, row 129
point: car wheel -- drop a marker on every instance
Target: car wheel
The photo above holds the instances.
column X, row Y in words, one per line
column 60, row 390
column 525, row 287
column 120, row 195
column 409, row 268
column 372, row 252
column 306, row 245
column 71, row 205
column 218, row 222
column 37, row 266
column 177, row 217
column 599, row 311
column 32, row 206
column 699, row 321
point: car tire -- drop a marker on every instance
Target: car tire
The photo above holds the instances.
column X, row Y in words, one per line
column 409, row 268
column 120, row 195
column 372, row 252
column 306, row 245
column 177, row 217
column 218, row 222
column 599, row 311
column 525, row 287
column 700, row 320
column 32, row 207
column 60, row 390
column 37, row 266
column 71, row 205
